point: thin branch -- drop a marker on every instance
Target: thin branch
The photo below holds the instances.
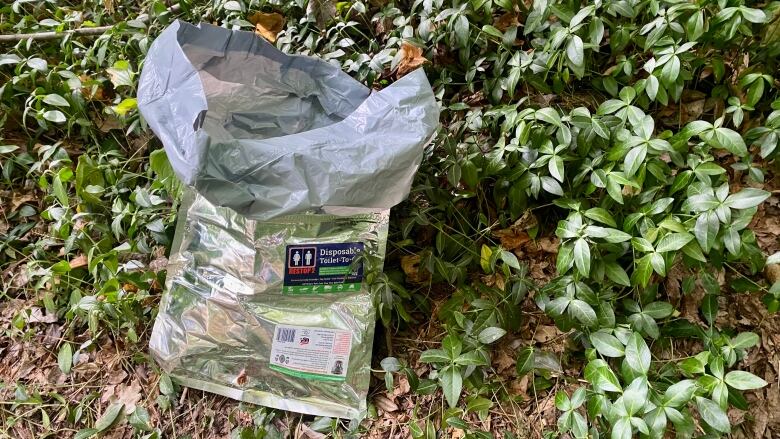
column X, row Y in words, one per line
column 84, row 31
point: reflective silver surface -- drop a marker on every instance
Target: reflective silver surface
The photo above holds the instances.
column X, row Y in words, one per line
column 216, row 320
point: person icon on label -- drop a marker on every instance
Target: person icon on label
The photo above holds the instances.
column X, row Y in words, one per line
column 338, row 368
column 296, row 258
column 308, row 257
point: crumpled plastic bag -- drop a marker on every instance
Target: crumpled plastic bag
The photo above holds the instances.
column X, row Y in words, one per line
column 291, row 167
column 269, row 134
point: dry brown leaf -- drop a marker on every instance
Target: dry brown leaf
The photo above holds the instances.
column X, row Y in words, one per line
column 772, row 273
column 267, row 25
column 546, row 333
column 129, row 396
column 511, row 238
column 506, row 21
column 385, row 404
column 37, row 316
column 78, row 261
column 410, row 264
column 18, row 199
column 411, row 58
column 402, row 388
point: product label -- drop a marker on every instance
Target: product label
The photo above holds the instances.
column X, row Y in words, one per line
column 322, row 268
column 316, row 353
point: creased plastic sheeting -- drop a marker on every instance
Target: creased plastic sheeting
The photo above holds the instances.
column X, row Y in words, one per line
column 269, row 134
column 215, row 327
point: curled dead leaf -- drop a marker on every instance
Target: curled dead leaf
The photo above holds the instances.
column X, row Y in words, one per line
column 385, row 404
column 772, row 273
column 267, row 25
column 410, row 59
column 78, row 261
column 241, row 378
column 511, row 239
column 506, row 21
column 129, row 396
column 410, row 264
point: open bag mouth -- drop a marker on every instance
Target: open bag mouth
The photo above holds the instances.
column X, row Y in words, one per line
column 269, row 134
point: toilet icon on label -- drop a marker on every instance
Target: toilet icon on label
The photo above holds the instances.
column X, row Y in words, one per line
column 302, row 256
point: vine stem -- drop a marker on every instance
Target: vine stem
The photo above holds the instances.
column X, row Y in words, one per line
column 84, row 31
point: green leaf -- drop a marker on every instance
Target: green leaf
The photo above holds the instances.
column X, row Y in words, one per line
column 731, row 141
column 713, row 415
column 492, row 30
column 575, row 53
column 709, row 307
column 673, row 242
column 85, row 433
column 555, row 166
column 451, row 384
column 634, row 159
column 745, row 340
column 55, row 116
column 140, row 419
column 742, row 380
column 607, row 344
column 434, row 356
column 562, row 401
column 56, row 100
column 622, row 429
column 65, row 358
column 638, row 356
column 59, row 191
column 109, row 416
column 525, row 361
column 601, row 215
column 510, row 259
column 484, row 258
column 616, row 274
column 601, row 377
column 549, row 115
column 753, row 15
column 679, row 393
column 471, row 358
column 490, row 335
column 658, row 263
column 635, row 395
column 478, row 404
column 658, row 310
column 643, row 271
column 582, row 256
column 583, row 312
column 746, row 198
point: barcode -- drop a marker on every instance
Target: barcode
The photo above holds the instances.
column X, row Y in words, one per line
column 285, row 335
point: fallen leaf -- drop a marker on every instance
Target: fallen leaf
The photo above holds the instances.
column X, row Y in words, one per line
column 772, row 273
column 546, row 333
column 410, row 264
column 385, row 404
column 267, row 25
column 506, row 21
column 511, row 238
column 20, row 198
column 78, row 261
column 37, row 316
column 402, row 388
column 410, row 59
column 129, row 396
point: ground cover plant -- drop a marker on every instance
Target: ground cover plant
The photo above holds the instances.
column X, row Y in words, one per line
column 590, row 248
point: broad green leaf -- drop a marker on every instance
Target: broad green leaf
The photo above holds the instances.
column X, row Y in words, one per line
column 658, row 263
column 56, row 100
column 583, row 312
column 451, row 383
column 490, row 335
column 471, row 358
column 510, row 259
column 745, row 340
column 742, row 380
column 616, row 274
column 635, row 395
column 562, row 401
column 638, row 356
column 673, row 242
column 55, row 116
column 140, row 419
column 525, row 361
column 601, row 215
column 549, row 115
column 643, row 271
column 109, row 416
column 713, row 415
column 731, row 141
column 709, row 307
column 658, row 310
column 607, row 344
column 434, row 356
column 65, row 358
column 679, row 393
column 484, row 258
column 600, row 376
column 634, row 159
column 555, row 166
column 582, row 256
column 746, row 198
column 622, row 429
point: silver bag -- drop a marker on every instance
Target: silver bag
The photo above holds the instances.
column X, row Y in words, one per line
column 294, row 167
